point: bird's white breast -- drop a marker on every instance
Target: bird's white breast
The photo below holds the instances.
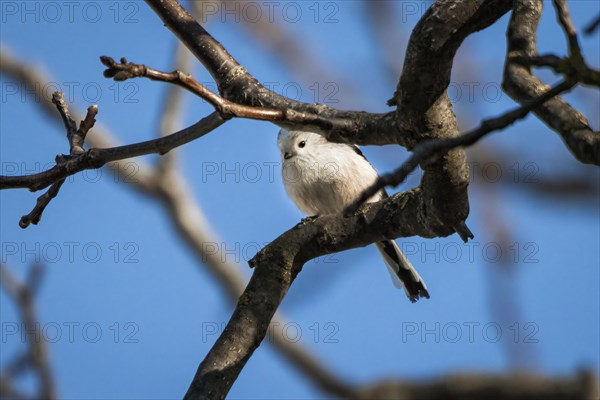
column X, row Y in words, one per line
column 328, row 180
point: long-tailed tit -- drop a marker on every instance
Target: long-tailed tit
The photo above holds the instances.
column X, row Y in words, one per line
column 323, row 178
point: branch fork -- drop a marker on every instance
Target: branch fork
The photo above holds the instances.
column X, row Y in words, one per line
column 76, row 137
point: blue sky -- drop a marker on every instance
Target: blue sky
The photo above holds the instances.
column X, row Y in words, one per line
column 126, row 301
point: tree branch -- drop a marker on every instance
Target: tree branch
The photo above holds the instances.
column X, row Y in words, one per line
column 592, row 26
column 96, row 158
column 525, row 386
column 426, row 150
column 438, row 207
column 227, row 109
column 237, row 85
column 573, row 66
column 522, row 86
column 76, row 138
column 172, row 190
column 564, row 18
column 22, row 294
column 276, row 267
column 565, row 66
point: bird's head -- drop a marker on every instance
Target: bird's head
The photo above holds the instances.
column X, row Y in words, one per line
column 298, row 144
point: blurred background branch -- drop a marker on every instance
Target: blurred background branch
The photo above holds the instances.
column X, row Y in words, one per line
column 35, row 358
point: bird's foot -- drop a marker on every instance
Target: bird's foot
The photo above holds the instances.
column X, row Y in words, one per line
column 307, row 219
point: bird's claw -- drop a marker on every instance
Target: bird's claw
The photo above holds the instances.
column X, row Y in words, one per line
column 307, row 219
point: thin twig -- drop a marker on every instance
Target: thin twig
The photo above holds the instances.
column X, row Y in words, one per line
column 40, row 205
column 76, row 138
column 228, row 109
column 96, row 158
column 84, row 127
column 428, row 149
column 581, row 73
column 58, row 99
column 592, row 26
column 564, row 18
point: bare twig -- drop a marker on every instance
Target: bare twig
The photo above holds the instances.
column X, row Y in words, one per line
column 84, row 127
column 76, row 139
column 58, row 99
column 426, row 150
column 592, row 26
column 35, row 215
column 96, row 158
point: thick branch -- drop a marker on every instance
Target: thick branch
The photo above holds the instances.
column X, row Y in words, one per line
column 429, row 149
column 237, row 85
column 438, row 208
column 522, row 86
column 276, row 267
column 424, row 109
column 573, row 66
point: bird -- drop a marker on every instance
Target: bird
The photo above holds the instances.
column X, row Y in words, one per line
column 323, row 177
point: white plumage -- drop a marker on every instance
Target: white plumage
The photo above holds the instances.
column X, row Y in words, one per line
column 322, row 178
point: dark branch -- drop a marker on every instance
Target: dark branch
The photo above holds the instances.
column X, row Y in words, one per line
column 228, row 109
column 58, row 99
column 522, row 86
column 35, row 215
column 237, row 85
column 76, row 138
column 437, row 208
column 580, row 73
column 96, row 158
column 564, row 18
column 276, row 267
column 84, row 127
column 592, row 26
column 573, row 66
column 435, row 148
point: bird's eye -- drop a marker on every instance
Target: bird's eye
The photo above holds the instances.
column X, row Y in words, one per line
column 302, row 144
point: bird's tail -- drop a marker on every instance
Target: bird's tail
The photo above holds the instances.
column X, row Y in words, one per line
column 403, row 273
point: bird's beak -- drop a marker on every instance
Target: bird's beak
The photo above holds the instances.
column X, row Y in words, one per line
column 287, row 155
